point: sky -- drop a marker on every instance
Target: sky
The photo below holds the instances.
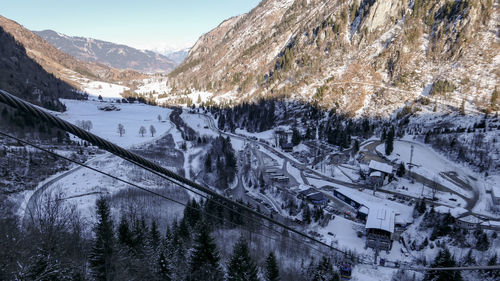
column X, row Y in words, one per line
column 143, row 24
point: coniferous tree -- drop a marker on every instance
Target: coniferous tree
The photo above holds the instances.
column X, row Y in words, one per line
column 164, row 269
column 240, row 266
column 356, row 146
column 272, row 272
column 101, row 256
column 204, row 260
column 324, row 271
column 306, row 214
column 482, row 243
column 421, row 207
column 208, row 163
column 493, row 273
column 443, row 259
column 154, row 235
column 389, row 142
column 296, row 137
column 125, row 236
column 401, row 169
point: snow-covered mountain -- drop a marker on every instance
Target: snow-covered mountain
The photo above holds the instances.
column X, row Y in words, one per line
column 177, row 56
column 115, row 55
column 360, row 57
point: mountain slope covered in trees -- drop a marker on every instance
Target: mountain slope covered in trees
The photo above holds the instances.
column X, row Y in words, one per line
column 361, row 57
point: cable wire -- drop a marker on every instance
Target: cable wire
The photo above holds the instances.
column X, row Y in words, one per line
column 29, row 108
column 159, row 194
column 136, row 159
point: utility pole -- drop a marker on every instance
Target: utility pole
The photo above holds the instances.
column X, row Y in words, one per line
column 411, row 164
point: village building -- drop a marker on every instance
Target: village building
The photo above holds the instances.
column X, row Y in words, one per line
column 380, row 229
column 378, row 173
column 362, row 213
column 495, row 194
column 317, row 198
column 468, row 222
column 287, row 147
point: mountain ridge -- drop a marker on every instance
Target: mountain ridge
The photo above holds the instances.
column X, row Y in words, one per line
column 60, row 64
column 119, row 56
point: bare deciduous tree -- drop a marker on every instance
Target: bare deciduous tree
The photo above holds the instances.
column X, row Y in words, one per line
column 85, row 124
column 152, row 130
column 121, row 129
column 142, row 131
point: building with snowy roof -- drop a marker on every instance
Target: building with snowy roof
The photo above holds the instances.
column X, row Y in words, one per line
column 380, row 228
column 378, row 173
column 495, row 194
column 468, row 222
column 381, row 167
column 317, row 198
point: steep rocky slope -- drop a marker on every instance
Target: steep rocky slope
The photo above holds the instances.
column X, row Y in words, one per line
column 360, row 57
column 111, row 54
column 23, row 77
column 61, row 64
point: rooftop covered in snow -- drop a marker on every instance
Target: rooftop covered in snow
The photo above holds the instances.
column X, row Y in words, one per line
column 495, row 190
column 381, row 219
column 379, row 166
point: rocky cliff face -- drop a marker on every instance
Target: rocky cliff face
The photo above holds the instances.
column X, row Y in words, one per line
column 359, row 57
column 111, row 54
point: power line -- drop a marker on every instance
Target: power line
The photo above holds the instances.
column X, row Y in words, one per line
column 159, row 194
column 138, row 160
column 134, row 158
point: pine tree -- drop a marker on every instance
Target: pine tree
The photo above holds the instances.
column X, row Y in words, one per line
column 240, row 266
column 389, row 142
column 154, row 235
column 482, row 243
column 101, row 256
column 421, row 207
column 208, row 163
column 296, row 137
column 125, row 236
column 356, row 146
column 306, row 214
column 324, row 271
column 384, row 135
column 401, row 169
column 444, row 259
column 493, row 273
column 272, row 272
column 164, row 271
column 204, row 260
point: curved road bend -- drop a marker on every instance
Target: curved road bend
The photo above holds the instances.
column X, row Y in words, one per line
column 31, row 206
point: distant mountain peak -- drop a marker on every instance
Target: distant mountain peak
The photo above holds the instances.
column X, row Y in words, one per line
column 115, row 55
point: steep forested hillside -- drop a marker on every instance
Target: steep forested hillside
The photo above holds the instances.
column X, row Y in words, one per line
column 362, row 57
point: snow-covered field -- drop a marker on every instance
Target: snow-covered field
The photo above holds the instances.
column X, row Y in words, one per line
column 157, row 85
column 132, row 116
column 105, row 90
column 427, row 163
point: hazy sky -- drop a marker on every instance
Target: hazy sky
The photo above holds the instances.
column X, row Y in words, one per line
column 138, row 23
